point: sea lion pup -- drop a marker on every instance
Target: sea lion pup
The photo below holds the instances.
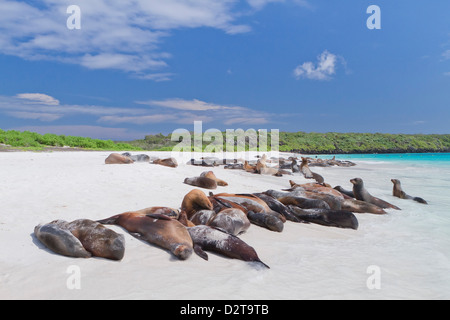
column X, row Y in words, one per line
column 201, row 182
column 194, row 201
column 327, row 217
column 345, row 192
column 399, row 193
column 211, row 175
column 115, row 158
column 233, row 221
column 294, row 166
column 156, row 229
column 82, row 238
column 206, row 238
column 362, row 194
column 169, row 162
column 308, row 174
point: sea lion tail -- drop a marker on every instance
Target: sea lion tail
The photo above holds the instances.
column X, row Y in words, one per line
column 265, row 265
column 420, row 200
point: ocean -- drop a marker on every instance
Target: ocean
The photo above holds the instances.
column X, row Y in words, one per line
column 407, row 251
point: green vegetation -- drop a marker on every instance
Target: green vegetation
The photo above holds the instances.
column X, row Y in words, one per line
column 307, row 143
column 329, row 143
column 33, row 141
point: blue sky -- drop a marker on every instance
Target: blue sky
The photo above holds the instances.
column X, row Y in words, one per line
column 147, row 66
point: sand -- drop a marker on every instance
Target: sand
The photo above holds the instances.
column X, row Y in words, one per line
column 41, row 187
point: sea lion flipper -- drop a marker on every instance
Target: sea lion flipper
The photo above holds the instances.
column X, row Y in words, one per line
column 199, row 251
column 158, row 216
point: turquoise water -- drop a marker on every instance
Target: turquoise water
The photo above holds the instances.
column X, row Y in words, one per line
column 438, row 159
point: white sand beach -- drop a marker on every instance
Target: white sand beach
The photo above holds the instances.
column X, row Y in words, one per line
column 306, row 261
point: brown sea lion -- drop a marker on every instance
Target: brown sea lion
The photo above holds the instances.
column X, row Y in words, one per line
column 249, row 168
column 362, row 194
column 156, row 229
column 194, row 201
column 81, row 238
column 115, row 158
column 206, row 238
column 308, row 174
column 201, row 182
column 169, row 162
column 399, row 193
column 211, row 175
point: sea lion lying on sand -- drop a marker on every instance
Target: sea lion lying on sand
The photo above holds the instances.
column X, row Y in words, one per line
column 81, row 238
column 156, row 229
column 115, row 158
column 206, row 238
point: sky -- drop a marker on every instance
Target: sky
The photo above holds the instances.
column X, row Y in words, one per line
column 121, row 70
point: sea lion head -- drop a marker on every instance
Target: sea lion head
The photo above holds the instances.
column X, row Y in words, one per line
column 194, row 201
column 357, row 181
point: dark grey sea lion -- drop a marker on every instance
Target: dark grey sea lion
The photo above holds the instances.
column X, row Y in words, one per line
column 206, row 238
column 138, row 157
column 362, row 194
column 327, row 217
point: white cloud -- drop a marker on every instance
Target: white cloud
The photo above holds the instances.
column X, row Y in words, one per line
column 259, row 4
column 39, row 98
column 114, row 34
column 194, row 105
column 325, row 68
column 44, row 108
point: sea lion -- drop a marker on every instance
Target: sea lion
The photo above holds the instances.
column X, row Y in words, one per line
column 201, row 182
column 238, row 166
column 327, row 217
column 82, row 238
column 399, row 193
column 138, row 157
column 115, row 158
column 194, row 201
column 156, row 229
column 169, row 162
column 294, row 166
column 362, row 194
column 233, row 221
column 206, row 238
column 249, row 168
column 308, row 174
column 60, row 241
column 211, row 175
